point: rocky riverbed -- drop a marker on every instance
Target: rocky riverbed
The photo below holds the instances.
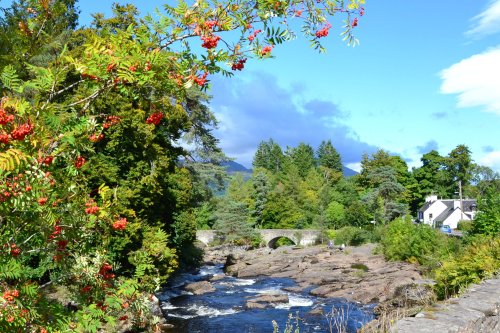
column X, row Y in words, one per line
column 353, row 273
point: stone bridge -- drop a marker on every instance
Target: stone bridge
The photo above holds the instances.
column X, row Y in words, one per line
column 270, row 236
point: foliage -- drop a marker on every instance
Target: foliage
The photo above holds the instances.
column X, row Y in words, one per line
column 98, row 194
column 479, row 260
column 465, row 225
column 487, row 221
column 328, row 156
column 352, row 236
column 406, row 241
column 232, row 225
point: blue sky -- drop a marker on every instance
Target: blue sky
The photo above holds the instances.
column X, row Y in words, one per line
column 425, row 76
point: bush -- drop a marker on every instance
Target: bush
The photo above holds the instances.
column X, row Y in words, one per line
column 465, row 225
column 479, row 260
column 403, row 240
column 352, row 236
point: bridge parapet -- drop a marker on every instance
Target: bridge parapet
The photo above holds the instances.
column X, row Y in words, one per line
column 302, row 237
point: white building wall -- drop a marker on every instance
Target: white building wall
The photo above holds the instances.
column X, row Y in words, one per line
column 433, row 211
column 454, row 218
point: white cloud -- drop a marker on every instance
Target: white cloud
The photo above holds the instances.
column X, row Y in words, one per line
column 492, row 160
column 488, row 22
column 476, row 80
column 355, row 166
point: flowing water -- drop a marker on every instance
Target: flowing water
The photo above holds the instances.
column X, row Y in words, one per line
column 223, row 311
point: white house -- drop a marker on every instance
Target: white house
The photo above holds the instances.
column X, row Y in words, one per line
column 437, row 212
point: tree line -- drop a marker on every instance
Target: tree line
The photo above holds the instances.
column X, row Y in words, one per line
column 302, row 187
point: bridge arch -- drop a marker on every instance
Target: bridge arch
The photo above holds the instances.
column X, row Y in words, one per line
column 272, row 242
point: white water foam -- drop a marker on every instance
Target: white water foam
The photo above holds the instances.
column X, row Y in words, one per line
column 272, row 290
column 181, row 316
column 243, row 282
column 206, row 311
column 168, row 306
column 295, row 300
column 210, row 270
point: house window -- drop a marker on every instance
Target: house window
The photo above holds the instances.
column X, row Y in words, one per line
column 430, row 216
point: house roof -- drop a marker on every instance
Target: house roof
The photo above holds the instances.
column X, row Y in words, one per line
column 467, row 204
column 426, row 206
column 444, row 215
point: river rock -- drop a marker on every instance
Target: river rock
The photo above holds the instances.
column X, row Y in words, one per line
column 266, row 300
column 199, row 288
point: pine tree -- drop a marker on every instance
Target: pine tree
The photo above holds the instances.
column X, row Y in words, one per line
column 328, row 156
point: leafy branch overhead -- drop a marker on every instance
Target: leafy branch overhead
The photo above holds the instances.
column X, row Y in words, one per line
column 99, row 192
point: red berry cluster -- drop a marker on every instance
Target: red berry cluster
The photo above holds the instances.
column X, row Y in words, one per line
column 61, row 245
column 92, row 208
column 5, row 118
column 211, row 24
column 86, row 289
column 47, row 160
column 266, row 50
column 57, row 231
column 96, row 137
column 252, row 36
column 105, row 271
column 110, row 121
column 14, row 250
column 209, row 42
column 239, row 65
column 79, row 162
column 22, row 131
column 4, row 137
column 13, row 186
column 324, row 31
column 89, row 76
column 10, row 295
column 355, row 22
column 201, row 80
column 42, row 201
column 120, row 224
column 155, row 118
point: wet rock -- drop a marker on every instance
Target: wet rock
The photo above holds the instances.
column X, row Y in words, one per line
column 254, row 305
column 266, row 300
column 317, row 311
column 199, row 288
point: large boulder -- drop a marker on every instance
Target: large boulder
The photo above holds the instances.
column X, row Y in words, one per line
column 199, row 288
column 266, row 300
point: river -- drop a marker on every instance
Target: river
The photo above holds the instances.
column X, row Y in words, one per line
column 224, row 311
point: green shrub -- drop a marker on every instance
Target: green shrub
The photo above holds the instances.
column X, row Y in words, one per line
column 464, row 225
column 352, row 236
column 403, row 240
column 479, row 260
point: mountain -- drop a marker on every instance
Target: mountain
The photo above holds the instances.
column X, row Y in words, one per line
column 233, row 166
column 348, row 172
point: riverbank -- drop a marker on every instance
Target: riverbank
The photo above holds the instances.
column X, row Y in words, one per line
column 354, row 273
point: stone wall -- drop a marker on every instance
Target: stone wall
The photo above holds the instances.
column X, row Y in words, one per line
column 477, row 310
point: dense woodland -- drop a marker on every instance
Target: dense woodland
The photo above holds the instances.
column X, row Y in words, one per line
column 302, row 187
column 108, row 164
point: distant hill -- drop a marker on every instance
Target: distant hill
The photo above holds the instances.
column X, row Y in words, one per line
column 348, row 172
column 233, row 166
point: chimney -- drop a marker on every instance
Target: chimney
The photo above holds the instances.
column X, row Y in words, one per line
column 431, row 198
